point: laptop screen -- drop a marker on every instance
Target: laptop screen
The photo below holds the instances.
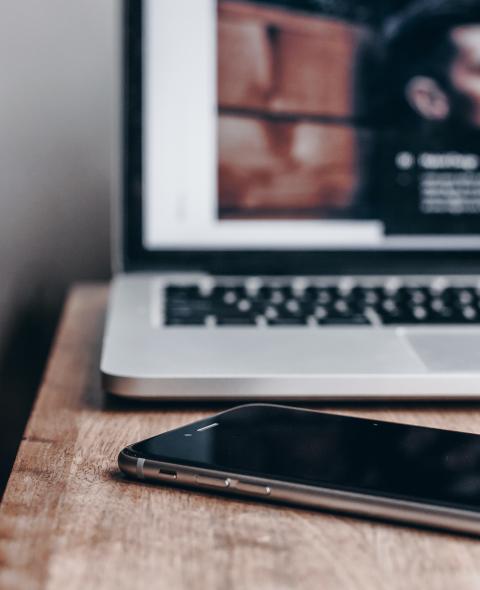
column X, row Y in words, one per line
column 311, row 124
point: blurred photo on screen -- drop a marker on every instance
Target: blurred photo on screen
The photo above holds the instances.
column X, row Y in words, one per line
column 350, row 110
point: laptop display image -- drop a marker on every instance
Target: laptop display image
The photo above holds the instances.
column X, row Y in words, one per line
column 300, row 201
column 312, row 124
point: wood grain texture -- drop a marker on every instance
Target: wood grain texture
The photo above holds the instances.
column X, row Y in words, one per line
column 69, row 520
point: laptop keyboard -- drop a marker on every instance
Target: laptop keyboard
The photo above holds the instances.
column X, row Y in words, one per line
column 252, row 302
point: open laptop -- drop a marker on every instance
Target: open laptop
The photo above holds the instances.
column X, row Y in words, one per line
column 299, row 211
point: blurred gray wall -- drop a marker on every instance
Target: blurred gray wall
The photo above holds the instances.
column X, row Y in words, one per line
column 57, row 91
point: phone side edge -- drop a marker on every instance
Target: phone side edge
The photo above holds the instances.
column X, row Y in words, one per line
column 129, row 465
column 326, row 499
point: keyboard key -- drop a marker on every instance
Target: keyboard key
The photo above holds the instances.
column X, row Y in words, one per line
column 244, row 305
column 351, row 320
column 236, row 321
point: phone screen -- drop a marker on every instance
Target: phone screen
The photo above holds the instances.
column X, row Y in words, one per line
column 364, row 456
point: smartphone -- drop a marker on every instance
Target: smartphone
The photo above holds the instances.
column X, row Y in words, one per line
column 423, row 476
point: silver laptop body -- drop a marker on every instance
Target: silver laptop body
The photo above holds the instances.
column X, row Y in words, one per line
column 227, row 315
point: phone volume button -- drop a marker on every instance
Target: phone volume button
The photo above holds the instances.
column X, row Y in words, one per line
column 206, row 480
column 251, row 488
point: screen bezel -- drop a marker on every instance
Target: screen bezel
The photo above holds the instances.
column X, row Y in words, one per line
column 135, row 257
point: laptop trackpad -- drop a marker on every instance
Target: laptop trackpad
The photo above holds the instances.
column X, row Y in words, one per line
column 448, row 351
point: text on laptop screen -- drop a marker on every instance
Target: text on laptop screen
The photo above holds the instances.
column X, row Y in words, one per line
column 311, row 124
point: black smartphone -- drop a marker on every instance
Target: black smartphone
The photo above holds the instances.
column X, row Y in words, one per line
column 423, row 476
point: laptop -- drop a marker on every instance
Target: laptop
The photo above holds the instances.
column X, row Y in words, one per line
column 298, row 214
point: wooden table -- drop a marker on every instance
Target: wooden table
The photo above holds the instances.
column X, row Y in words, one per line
column 69, row 520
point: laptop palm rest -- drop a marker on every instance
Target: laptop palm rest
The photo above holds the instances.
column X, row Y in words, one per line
column 281, row 351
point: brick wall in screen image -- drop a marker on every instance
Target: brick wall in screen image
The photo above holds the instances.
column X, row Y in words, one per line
column 291, row 114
